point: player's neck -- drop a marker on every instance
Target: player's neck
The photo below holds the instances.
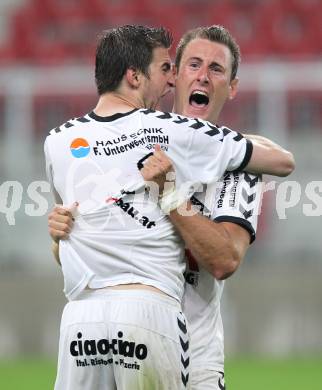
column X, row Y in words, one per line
column 113, row 103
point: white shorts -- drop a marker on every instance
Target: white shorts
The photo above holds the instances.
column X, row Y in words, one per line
column 125, row 340
column 204, row 379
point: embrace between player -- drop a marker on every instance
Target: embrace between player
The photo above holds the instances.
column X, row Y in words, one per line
column 206, row 68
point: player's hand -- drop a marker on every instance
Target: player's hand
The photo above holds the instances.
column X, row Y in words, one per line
column 61, row 221
column 157, row 167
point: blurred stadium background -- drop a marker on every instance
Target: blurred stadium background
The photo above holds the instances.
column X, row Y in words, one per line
column 273, row 305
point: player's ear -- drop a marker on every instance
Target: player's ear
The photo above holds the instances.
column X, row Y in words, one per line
column 233, row 88
column 133, row 77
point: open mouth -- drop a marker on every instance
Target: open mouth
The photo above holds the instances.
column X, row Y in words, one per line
column 198, row 99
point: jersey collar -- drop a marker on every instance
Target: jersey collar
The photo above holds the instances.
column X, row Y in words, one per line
column 110, row 118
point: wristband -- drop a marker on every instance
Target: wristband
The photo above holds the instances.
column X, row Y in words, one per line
column 171, row 200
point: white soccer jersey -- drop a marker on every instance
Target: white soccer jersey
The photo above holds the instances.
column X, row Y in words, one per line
column 120, row 237
column 236, row 198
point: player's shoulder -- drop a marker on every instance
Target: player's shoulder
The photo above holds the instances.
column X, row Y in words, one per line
column 193, row 124
column 71, row 124
column 180, row 120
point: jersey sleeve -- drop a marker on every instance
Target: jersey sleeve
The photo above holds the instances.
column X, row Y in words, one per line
column 238, row 200
column 50, row 173
column 214, row 150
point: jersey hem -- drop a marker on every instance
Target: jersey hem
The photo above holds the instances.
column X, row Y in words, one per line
column 97, row 284
column 241, row 222
column 74, row 293
column 248, row 155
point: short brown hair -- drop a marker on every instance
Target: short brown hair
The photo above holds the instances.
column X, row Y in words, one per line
column 213, row 33
column 125, row 47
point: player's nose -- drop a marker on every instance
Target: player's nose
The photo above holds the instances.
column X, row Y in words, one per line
column 171, row 80
column 203, row 76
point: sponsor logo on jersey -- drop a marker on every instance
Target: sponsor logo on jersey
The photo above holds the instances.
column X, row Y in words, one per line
column 233, row 191
column 79, row 148
column 142, row 137
column 226, row 182
column 83, row 347
column 132, row 212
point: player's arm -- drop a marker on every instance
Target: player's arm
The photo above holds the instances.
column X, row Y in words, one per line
column 60, row 224
column 269, row 157
column 221, row 245
column 231, row 151
column 217, row 247
column 241, row 241
column 55, row 250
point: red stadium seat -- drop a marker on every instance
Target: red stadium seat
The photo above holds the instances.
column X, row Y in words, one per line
column 23, row 35
column 38, row 37
column 175, row 18
column 7, row 55
column 49, row 31
column 244, row 25
column 292, row 27
column 56, row 9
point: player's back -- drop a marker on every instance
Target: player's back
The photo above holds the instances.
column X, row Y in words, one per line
column 120, row 235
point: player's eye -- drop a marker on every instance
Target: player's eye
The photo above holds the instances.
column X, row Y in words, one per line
column 216, row 68
column 194, row 65
column 166, row 68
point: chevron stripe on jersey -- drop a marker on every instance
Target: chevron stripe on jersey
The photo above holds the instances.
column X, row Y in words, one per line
column 202, row 208
column 221, row 381
column 185, row 353
column 251, row 179
column 239, row 199
column 196, row 124
column 181, row 120
column 70, row 123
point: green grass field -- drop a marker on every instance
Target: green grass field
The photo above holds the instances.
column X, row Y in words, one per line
column 252, row 374
column 257, row 374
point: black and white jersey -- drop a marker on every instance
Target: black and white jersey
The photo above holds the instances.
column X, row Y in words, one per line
column 235, row 198
column 120, row 236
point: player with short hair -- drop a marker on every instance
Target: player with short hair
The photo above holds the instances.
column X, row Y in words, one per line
column 207, row 60
column 123, row 327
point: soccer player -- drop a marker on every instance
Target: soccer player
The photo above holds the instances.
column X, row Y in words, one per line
column 207, row 60
column 131, row 334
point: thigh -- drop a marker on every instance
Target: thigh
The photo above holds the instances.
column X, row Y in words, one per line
column 203, row 379
column 85, row 360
